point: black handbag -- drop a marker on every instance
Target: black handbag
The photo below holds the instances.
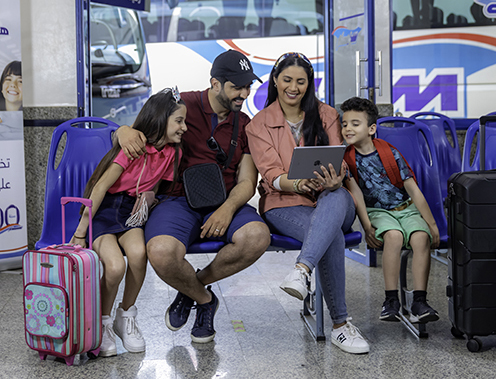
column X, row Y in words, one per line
column 204, row 183
column 204, row 186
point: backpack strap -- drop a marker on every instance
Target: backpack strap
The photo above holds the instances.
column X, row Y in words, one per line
column 350, row 159
column 387, row 159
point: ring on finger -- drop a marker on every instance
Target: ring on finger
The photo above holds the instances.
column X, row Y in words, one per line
column 217, row 230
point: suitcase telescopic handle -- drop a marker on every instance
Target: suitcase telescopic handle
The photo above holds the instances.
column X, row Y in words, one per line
column 86, row 202
column 482, row 150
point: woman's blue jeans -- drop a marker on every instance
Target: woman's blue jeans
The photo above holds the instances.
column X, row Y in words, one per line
column 321, row 230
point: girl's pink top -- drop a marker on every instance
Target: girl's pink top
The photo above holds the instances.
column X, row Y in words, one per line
column 159, row 165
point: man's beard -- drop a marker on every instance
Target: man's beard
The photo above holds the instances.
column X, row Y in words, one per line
column 228, row 104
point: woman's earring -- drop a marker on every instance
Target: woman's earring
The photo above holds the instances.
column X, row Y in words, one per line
column 275, row 85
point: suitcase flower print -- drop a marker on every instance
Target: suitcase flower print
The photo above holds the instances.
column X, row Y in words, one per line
column 45, row 311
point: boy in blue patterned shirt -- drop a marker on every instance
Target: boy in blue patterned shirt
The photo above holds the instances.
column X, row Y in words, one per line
column 390, row 206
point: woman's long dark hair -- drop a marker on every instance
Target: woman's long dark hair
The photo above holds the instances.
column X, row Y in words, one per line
column 13, row 68
column 152, row 121
column 313, row 131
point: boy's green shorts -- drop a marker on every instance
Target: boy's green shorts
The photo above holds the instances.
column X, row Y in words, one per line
column 406, row 221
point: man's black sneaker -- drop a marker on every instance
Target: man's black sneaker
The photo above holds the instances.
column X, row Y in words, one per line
column 203, row 330
column 422, row 312
column 390, row 310
column 178, row 312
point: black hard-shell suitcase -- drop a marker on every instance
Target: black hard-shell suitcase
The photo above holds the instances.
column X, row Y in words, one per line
column 471, row 286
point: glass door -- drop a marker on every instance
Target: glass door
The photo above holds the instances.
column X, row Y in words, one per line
column 357, row 50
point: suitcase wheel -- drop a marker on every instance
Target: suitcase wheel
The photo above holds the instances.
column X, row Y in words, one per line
column 42, row 356
column 93, row 354
column 456, row 333
column 474, row 345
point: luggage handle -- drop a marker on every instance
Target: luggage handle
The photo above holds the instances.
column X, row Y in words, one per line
column 86, row 202
column 482, row 122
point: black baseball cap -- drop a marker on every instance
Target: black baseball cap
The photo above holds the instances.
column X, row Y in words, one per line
column 235, row 67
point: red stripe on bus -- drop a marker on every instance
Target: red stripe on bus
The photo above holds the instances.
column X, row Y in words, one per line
column 459, row 36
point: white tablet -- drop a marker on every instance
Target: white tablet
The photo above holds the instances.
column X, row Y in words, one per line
column 307, row 159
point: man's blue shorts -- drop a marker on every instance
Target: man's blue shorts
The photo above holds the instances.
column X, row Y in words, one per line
column 173, row 217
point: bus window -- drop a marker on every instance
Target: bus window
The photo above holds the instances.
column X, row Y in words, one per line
column 120, row 75
column 425, row 14
column 184, row 37
column 172, row 21
column 434, row 69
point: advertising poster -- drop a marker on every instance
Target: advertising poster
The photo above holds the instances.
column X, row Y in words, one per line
column 13, row 223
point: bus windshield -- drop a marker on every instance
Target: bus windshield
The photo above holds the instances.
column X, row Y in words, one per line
column 116, row 43
column 120, row 73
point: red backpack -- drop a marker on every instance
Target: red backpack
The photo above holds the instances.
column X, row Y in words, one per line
column 387, row 159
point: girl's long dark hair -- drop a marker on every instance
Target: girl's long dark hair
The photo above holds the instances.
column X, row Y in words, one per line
column 152, row 121
column 313, row 131
column 13, row 68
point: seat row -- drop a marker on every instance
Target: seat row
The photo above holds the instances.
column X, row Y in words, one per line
column 429, row 143
column 76, row 150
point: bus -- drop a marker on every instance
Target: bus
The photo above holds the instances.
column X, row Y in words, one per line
column 444, row 58
column 120, row 73
column 443, row 51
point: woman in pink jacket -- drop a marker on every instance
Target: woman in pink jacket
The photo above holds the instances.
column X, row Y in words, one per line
column 317, row 211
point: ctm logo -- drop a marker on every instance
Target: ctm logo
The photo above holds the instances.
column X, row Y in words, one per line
column 442, row 90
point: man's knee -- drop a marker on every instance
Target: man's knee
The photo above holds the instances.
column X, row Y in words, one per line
column 255, row 235
column 164, row 252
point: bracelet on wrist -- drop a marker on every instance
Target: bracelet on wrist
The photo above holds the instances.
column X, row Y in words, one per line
column 296, row 183
column 79, row 238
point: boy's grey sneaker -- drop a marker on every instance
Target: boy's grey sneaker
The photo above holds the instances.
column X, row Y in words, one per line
column 390, row 310
column 178, row 312
column 422, row 312
column 203, row 330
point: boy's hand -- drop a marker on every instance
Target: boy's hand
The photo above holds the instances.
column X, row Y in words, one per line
column 435, row 236
column 371, row 240
column 132, row 141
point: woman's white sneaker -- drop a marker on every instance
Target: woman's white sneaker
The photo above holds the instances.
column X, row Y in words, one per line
column 295, row 283
column 349, row 339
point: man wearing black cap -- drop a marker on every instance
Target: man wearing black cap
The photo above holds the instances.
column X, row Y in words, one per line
column 173, row 225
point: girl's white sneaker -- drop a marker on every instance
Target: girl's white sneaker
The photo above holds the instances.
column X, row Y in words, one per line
column 126, row 327
column 107, row 348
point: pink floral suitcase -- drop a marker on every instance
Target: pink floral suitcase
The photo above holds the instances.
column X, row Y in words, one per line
column 62, row 306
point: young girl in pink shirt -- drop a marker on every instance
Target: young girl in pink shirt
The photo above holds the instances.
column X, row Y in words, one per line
column 112, row 187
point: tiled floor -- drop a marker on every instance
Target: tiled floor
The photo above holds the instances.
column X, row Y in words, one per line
column 275, row 343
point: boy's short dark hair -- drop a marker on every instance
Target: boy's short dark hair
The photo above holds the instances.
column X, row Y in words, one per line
column 359, row 104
